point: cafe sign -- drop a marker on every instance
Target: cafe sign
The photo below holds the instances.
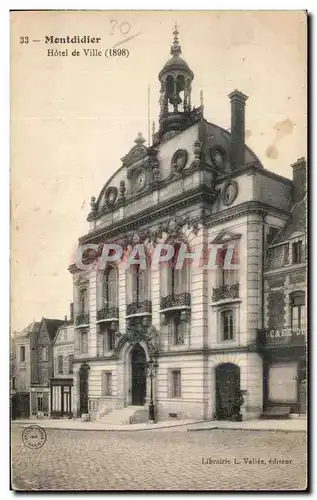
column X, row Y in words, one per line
column 285, row 332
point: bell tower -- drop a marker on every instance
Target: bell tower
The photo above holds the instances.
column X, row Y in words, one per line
column 175, row 95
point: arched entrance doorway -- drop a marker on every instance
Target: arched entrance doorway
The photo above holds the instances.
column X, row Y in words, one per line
column 138, row 361
column 227, row 390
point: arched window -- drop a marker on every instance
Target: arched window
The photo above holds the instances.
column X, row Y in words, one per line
column 110, row 287
column 298, row 310
column 83, row 301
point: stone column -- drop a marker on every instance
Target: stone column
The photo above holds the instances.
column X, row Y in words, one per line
column 254, row 275
column 92, row 300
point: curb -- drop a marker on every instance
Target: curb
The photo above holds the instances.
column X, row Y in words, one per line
column 245, row 429
column 24, row 424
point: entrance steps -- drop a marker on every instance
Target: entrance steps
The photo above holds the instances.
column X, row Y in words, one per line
column 127, row 415
column 276, row 412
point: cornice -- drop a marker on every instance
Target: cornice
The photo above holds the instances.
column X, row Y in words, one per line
column 285, row 270
column 183, row 352
column 242, row 209
column 254, row 168
column 195, row 196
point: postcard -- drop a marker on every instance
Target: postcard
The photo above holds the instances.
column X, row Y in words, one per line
column 158, row 250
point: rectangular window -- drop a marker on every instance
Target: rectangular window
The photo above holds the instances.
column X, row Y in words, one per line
column 227, row 325
column 272, row 233
column 44, row 353
column 22, row 353
column 297, row 253
column 177, row 330
column 108, row 340
column 175, row 384
column 70, row 363
column 13, row 383
column 227, row 256
column 84, row 342
column 43, row 373
column 298, row 310
column 60, row 364
column 107, row 383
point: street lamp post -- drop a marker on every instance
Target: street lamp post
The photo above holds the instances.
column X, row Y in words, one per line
column 151, row 367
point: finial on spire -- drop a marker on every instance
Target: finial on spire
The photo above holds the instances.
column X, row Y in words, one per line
column 176, row 48
column 139, row 139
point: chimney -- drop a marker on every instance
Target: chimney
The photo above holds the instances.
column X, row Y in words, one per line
column 71, row 308
column 238, row 100
column 299, row 179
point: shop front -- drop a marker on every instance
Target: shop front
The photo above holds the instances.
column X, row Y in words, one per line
column 61, row 398
column 284, row 368
column 39, row 401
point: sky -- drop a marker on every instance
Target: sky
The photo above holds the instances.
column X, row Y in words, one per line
column 74, row 118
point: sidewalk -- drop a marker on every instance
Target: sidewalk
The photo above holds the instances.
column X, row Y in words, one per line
column 289, row 425
column 77, row 425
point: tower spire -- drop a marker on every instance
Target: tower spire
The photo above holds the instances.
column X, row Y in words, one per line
column 176, row 48
column 175, row 99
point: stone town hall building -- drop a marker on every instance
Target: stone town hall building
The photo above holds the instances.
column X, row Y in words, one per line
column 200, row 185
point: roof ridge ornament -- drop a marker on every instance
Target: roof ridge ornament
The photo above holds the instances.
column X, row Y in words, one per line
column 139, row 139
column 176, row 48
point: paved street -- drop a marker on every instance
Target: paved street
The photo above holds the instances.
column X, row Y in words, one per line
column 167, row 459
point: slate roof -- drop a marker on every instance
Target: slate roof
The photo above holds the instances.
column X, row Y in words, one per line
column 295, row 223
column 52, row 326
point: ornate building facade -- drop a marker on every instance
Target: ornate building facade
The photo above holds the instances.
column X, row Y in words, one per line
column 200, row 186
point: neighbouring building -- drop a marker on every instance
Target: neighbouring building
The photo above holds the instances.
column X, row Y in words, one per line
column 22, row 344
column 284, row 340
column 42, row 367
column 62, row 382
column 198, row 185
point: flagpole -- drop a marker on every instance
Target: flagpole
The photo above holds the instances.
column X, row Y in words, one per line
column 148, row 117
